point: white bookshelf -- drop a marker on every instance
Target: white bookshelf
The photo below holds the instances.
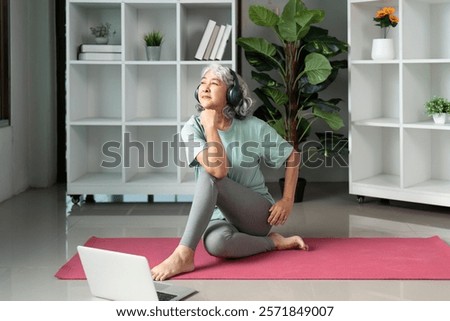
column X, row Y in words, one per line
column 127, row 113
column 396, row 151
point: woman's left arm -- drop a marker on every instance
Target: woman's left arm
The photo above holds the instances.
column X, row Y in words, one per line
column 280, row 211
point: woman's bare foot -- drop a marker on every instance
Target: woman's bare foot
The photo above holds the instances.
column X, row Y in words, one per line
column 180, row 261
column 288, row 243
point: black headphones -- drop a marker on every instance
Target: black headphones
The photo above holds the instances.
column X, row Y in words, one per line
column 234, row 92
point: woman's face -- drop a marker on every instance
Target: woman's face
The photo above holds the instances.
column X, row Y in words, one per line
column 212, row 92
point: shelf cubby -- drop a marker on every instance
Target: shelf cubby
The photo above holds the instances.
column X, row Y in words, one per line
column 429, row 173
column 98, row 154
column 422, row 81
column 142, row 18
column 375, row 93
column 95, row 93
column 150, row 94
column 430, row 150
column 149, row 157
column 375, row 156
column 426, row 26
column 85, row 14
column 193, row 18
column 363, row 29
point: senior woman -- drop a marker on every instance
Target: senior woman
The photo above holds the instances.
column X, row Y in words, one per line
column 232, row 208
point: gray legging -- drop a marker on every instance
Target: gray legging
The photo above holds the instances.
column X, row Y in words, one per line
column 243, row 233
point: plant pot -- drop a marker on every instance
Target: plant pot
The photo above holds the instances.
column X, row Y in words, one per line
column 440, row 118
column 299, row 191
column 153, row 53
column 383, row 49
column 101, row 40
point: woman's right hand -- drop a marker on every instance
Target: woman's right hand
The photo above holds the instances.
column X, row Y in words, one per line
column 208, row 118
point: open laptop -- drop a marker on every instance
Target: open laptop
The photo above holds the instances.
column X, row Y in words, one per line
column 125, row 277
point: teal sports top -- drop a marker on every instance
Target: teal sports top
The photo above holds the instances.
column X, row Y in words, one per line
column 247, row 143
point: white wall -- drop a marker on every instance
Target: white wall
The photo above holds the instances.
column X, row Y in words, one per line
column 336, row 22
column 28, row 146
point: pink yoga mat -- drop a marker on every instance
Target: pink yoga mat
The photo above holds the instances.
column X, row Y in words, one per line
column 328, row 259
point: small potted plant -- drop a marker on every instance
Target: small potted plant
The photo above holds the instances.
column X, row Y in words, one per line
column 101, row 32
column 153, row 41
column 383, row 48
column 438, row 108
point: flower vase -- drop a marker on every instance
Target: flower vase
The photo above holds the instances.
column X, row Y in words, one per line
column 383, row 49
column 101, row 40
column 153, row 53
column 440, row 119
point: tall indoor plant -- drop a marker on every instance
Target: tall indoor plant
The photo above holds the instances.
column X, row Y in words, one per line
column 293, row 70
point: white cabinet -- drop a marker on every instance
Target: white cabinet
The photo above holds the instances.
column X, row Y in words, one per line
column 124, row 116
column 396, row 152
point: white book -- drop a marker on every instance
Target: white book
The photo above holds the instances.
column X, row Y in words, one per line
column 205, row 39
column 100, row 48
column 212, row 41
column 217, row 42
column 223, row 43
column 99, row 56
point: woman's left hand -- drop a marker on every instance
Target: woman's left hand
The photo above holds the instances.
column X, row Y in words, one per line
column 280, row 211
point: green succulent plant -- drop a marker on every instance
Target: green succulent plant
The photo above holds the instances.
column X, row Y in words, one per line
column 153, row 39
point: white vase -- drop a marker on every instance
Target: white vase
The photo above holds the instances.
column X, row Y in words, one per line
column 383, row 49
column 440, row 118
column 153, row 53
column 101, row 40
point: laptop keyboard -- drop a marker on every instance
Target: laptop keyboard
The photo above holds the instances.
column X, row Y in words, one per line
column 165, row 296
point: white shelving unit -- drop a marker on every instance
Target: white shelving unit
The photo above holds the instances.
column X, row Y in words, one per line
column 123, row 116
column 396, row 151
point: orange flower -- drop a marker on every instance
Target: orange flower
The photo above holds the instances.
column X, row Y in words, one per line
column 394, row 19
column 386, row 11
column 386, row 19
column 380, row 14
column 389, row 10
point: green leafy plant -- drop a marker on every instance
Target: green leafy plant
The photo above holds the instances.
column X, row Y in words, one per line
column 294, row 70
column 437, row 105
column 153, row 39
column 102, row 30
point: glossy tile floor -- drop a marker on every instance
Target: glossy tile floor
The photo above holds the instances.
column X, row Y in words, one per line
column 40, row 229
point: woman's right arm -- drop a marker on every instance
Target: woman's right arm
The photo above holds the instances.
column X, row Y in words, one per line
column 213, row 158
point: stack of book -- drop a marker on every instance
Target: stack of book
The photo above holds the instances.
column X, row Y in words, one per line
column 214, row 40
column 99, row 52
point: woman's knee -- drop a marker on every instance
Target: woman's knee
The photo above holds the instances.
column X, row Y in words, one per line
column 217, row 241
column 205, row 177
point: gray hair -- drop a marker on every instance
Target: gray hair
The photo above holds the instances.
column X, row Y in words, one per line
column 225, row 75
